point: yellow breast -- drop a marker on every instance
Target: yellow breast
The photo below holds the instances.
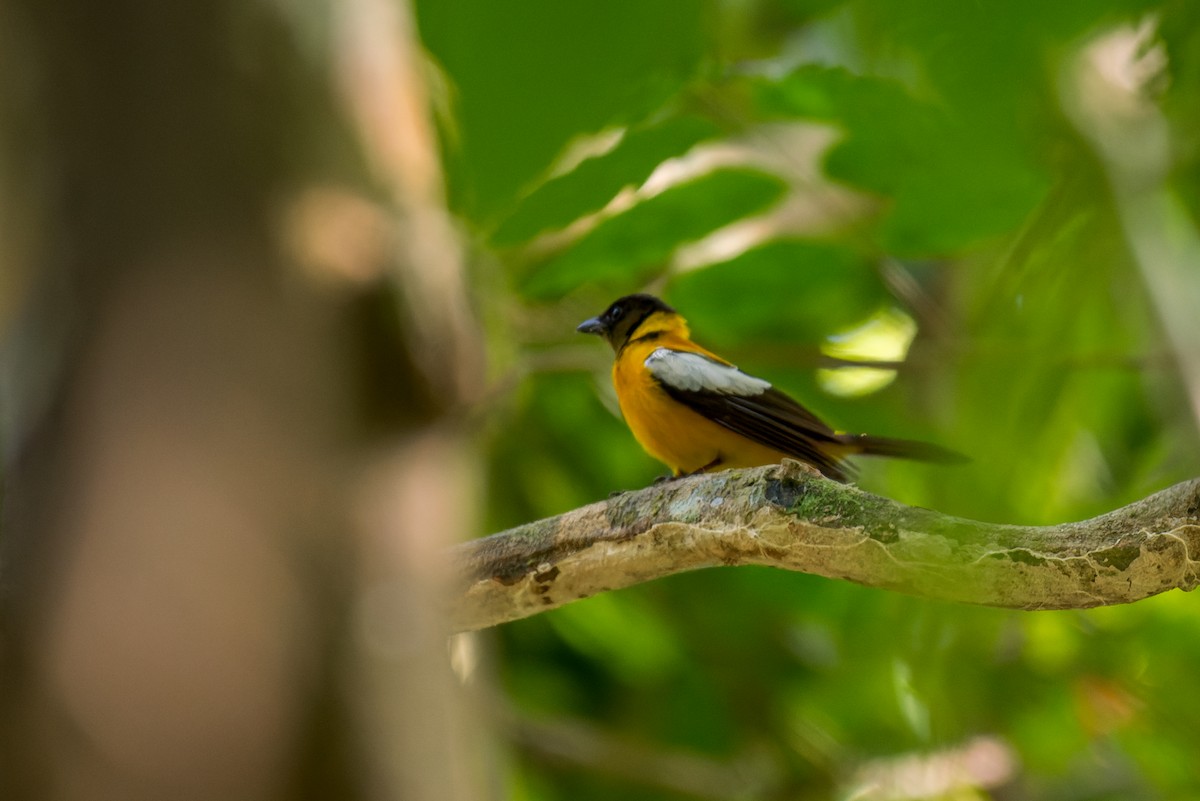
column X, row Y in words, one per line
column 671, row 432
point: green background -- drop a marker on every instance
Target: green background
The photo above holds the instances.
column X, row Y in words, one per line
column 975, row 179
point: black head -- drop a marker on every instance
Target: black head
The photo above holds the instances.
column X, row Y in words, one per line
column 622, row 318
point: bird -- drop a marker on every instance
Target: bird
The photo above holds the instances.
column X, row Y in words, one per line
column 698, row 413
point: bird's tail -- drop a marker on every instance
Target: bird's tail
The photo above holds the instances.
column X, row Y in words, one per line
column 869, row 445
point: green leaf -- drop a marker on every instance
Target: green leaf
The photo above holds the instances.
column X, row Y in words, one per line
column 622, row 252
column 564, row 198
column 784, row 290
column 528, row 76
column 952, row 183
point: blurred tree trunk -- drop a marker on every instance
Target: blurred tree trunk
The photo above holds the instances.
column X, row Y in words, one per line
column 215, row 458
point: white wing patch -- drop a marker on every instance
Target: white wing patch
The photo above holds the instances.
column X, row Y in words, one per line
column 696, row 373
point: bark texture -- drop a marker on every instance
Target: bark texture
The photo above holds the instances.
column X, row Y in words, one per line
column 787, row 516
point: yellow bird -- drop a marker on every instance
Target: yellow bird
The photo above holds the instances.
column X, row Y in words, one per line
column 697, row 413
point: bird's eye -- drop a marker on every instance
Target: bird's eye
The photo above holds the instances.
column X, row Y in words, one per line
column 616, row 312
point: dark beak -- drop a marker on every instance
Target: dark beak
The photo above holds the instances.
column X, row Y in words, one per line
column 592, row 326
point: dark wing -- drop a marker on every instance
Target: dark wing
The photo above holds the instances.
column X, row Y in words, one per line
column 747, row 406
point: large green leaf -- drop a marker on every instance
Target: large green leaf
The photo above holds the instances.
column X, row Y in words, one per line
column 951, row 186
column 526, row 77
column 624, row 251
column 595, row 181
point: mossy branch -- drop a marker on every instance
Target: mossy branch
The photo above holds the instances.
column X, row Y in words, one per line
column 787, row 516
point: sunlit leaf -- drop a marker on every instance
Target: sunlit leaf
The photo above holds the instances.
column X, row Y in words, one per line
column 623, row 251
column 595, row 181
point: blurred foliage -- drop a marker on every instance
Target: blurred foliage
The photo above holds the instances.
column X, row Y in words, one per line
column 686, row 147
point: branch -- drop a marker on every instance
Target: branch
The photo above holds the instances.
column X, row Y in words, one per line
column 786, row 516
